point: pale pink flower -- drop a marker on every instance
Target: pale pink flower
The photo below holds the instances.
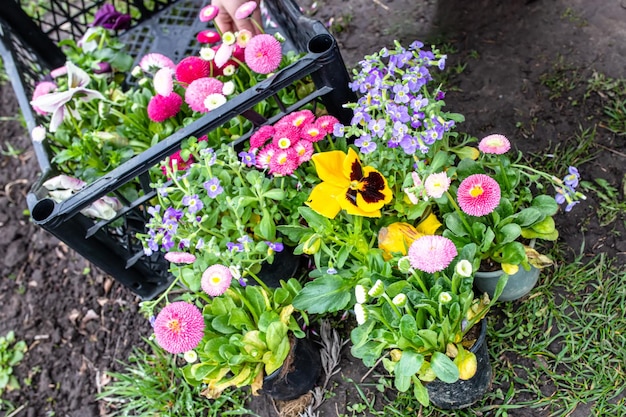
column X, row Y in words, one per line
column 41, row 89
column 163, row 82
column 58, row 72
column 431, row 253
column 437, row 184
column 155, row 61
column 223, row 54
column 263, row 54
column 304, row 149
column 245, row 10
column 199, row 90
column 215, row 280
column 38, row 134
column 264, row 157
column 103, row 208
column 494, row 144
column 180, row 257
column 179, row 327
column 478, row 195
column 208, row 13
column 243, row 37
column 64, row 182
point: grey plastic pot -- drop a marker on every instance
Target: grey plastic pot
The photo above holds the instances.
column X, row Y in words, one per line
column 518, row 285
column 462, row 394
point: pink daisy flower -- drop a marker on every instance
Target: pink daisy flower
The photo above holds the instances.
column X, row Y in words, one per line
column 298, row 118
column 261, row 136
column 239, row 53
column 327, row 123
column 431, row 253
column 245, row 10
column 263, row 54
column 264, row 157
column 437, row 184
column 179, row 327
column 494, row 144
column 223, row 54
column 284, row 162
column 478, row 195
column 216, row 280
column 304, row 150
column 161, row 108
column 155, row 61
column 313, row 132
column 285, row 136
column 176, row 163
column 198, row 91
column 58, row 72
column 243, row 37
column 180, row 257
column 208, row 36
column 208, row 13
column 191, row 68
column 41, row 89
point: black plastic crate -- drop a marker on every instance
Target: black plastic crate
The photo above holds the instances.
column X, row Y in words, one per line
column 30, row 51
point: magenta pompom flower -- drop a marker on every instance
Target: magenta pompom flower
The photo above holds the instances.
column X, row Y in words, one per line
column 263, row 54
column 261, row 136
column 284, row 162
column 285, row 136
column 327, row 123
column 264, row 157
column 245, row 10
column 437, row 184
column 478, row 195
column 161, row 108
column 208, row 36
column 298, row 118
column 494, row 144
column 180, row 257
column 198, row 91
column 216, row 280
column 179, row 327
column 313, row 132
column 431, row 253
column 191, row 68
column 304, row 150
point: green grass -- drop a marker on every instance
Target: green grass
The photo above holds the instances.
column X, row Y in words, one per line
column 152, row 384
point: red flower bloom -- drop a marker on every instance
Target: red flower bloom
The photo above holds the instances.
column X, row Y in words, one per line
column 191, row 68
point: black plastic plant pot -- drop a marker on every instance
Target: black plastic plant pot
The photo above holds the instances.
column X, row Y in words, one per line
column 462, row 394
column 285, row 266
column 298, row 375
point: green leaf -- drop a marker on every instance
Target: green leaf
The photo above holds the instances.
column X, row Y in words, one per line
column 546, row 204
column 509, row 233
column 528, row 216
column 455, row 225
column 420, row 392
column 276, row 334
column 409, row 364
column 325, row 294
column 318, row 222
column 444, row 368
column 402, row 382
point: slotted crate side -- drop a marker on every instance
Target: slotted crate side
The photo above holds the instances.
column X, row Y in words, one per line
column 112, row 245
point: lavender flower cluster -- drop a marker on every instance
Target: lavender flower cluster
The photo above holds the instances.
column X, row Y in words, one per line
column 395, row 107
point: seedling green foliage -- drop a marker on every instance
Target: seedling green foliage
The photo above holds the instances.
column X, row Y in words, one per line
column 11, row 354
column 152, row 384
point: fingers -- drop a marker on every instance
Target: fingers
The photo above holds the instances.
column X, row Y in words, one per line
column 226, row 21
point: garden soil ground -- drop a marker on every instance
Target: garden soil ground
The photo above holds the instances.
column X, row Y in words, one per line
column 526, row 67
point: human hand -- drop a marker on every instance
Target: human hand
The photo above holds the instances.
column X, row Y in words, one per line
column 227, row 22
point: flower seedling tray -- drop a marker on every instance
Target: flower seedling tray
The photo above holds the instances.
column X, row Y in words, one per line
column 29, row 51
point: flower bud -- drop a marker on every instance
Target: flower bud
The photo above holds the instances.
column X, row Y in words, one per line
column 399, row 300
column 137, row 71
column 360, row 293
column 38, row 134
column 396, row 355
column 404, row 265
column 361, row 313
column 312, row 245
column 445, row 297
column 377, row 290
column 190, row 356
column 464, row 268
